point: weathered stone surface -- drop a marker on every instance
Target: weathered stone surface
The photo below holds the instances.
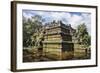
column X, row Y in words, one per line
column 57, row 42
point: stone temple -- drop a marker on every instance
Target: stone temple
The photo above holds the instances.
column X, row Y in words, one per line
column 57, row 42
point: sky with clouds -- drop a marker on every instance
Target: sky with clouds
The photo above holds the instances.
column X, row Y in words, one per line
column 73, row 18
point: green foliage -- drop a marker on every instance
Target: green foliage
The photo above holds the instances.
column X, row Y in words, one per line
column 31, row 29
column 86, row 40
column 82, row 35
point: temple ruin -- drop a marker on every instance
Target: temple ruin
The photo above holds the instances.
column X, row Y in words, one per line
column 57, row 42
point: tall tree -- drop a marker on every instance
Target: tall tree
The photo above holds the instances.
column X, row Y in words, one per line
column 30, row 27
column 82, row 35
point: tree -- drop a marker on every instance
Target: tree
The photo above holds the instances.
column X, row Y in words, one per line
column 30, row 27
column 82, row 35
column 86, row 40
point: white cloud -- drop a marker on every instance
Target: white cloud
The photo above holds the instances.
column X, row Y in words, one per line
column 67, row 17
column 41, row 13
column 60, row 15
column 74, row 20
column 27, row 15
column 87, row 20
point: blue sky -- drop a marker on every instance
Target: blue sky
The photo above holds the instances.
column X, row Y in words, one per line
column 73, row 18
